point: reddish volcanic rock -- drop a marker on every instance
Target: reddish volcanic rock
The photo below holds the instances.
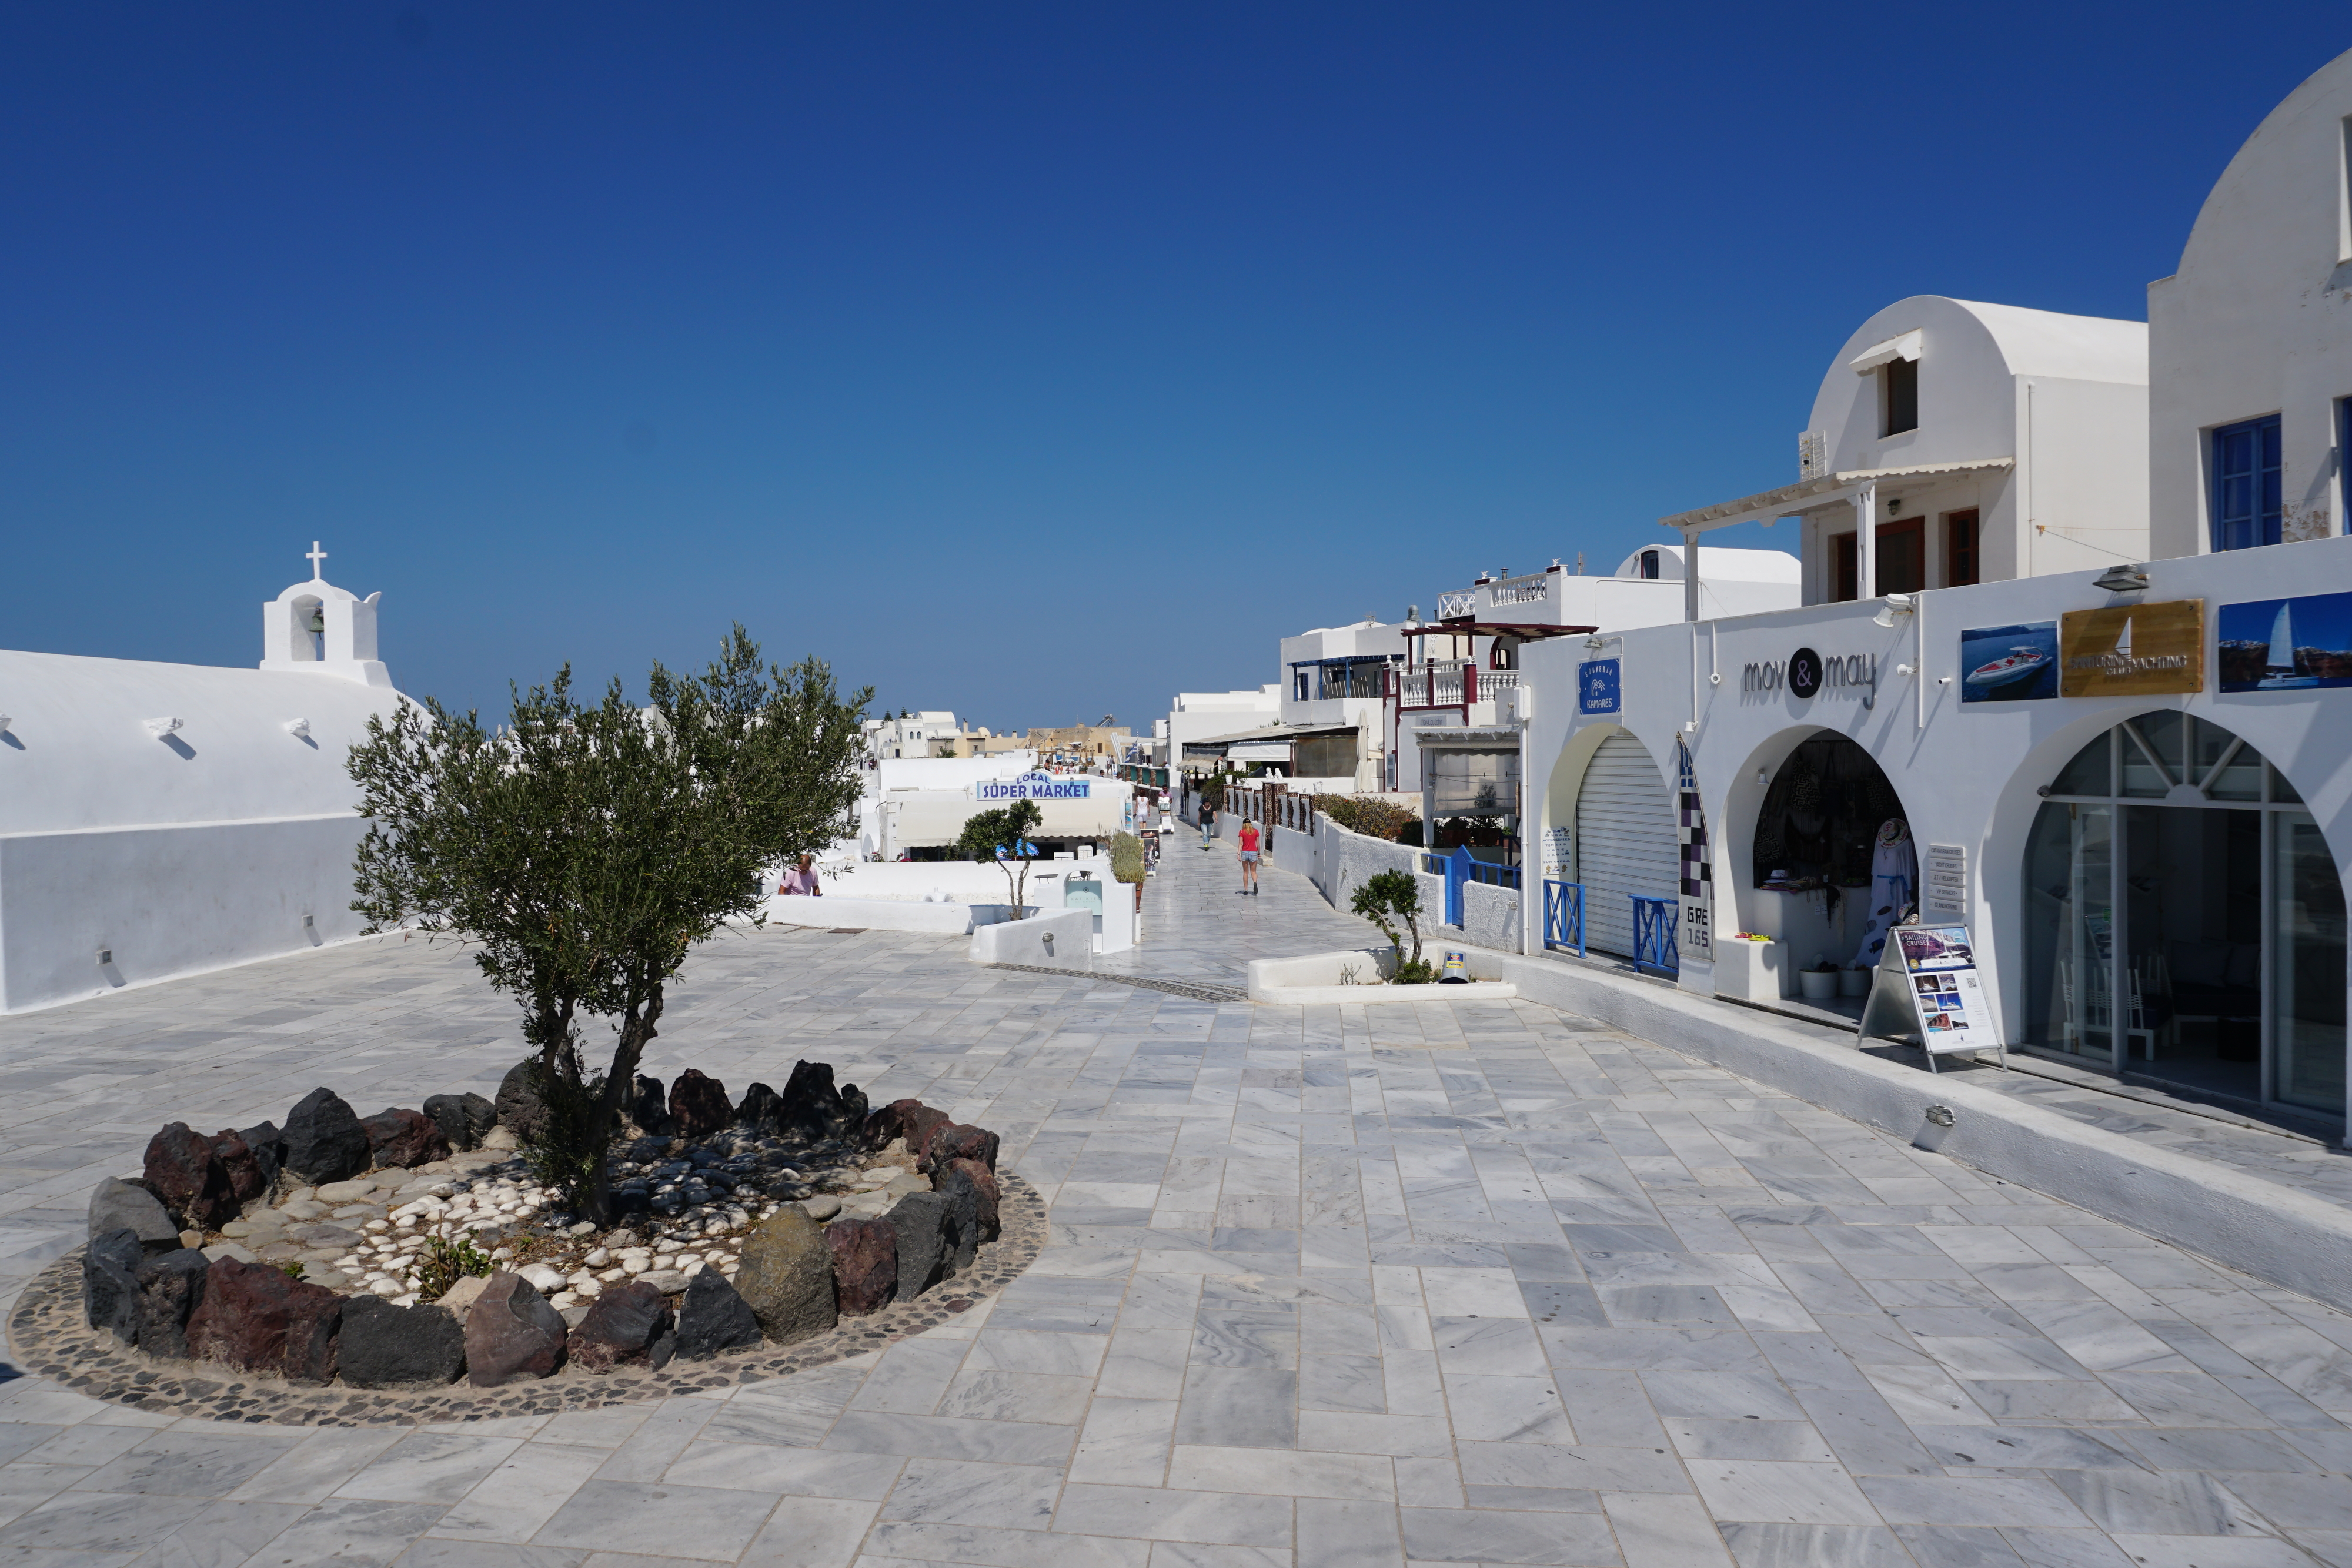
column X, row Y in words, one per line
column 865, row 1264
column 256, row 1319
column 954, row 1141
column 245, row 1177
column 629, row 1325
column 404, row 1138
column 698, row 1105
column 512, row 1333
column 189, row 1177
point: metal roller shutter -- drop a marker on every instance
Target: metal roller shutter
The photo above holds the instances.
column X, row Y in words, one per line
column 1625, row 842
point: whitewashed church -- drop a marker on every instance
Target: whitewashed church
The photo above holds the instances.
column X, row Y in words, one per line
column 161, row 819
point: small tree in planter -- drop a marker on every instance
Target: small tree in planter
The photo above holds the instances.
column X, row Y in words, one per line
column 585, row 849
column 1388, row 899
column 1001, row 836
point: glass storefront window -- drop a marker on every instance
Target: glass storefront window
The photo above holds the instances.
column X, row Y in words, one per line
column 2307, row 963
column 2183, row 928
column 2069, row 930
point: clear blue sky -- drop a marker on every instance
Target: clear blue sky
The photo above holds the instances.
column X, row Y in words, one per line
column 1030, row 361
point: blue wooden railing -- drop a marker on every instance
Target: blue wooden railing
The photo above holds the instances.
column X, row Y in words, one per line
column 1655, row 951
column 1458, row 868
column 1564, row 915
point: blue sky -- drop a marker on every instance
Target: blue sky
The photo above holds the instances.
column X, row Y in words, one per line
column 1030, row 361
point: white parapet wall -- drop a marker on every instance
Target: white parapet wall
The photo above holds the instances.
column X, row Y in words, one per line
column 1326, row 977
column 870, row 915
column 1060, row 939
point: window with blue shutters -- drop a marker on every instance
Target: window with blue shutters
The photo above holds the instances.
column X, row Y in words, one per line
column 2247, row 484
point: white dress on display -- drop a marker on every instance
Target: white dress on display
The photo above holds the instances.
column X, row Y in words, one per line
column 1893, row 882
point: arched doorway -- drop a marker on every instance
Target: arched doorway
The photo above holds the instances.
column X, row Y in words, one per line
column 1626, row 843
column 1832, row 867
column 2184, row 920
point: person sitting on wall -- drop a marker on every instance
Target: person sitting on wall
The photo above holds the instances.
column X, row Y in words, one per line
column 801, row 878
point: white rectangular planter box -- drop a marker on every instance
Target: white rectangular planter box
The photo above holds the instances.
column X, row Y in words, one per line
column 1316, row 977
column 1748, row 970
column 1062, row 939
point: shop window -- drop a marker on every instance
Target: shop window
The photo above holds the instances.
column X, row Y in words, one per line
column 2248, row 485
column 1898, row 396
column 2184, row 921
column 1902, row 556
column 1960, row 564
column 1845, row 568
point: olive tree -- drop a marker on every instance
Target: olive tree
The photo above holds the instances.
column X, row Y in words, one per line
column 1001, row 838
column 584, row 850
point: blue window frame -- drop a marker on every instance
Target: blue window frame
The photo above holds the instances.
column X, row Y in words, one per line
column 2247, row 488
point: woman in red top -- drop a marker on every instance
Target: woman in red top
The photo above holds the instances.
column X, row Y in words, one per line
column 1249, row 837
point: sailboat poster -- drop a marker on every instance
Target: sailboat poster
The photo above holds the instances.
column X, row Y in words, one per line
column 2286, row 645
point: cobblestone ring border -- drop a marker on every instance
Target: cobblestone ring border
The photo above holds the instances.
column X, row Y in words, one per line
column 51, row 1338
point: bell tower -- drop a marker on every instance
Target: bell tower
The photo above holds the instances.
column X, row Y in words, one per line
column 316, row 629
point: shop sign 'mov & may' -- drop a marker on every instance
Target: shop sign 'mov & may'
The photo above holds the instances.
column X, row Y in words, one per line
column 1805, row 673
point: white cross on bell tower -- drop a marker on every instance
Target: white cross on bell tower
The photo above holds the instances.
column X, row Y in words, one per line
column 317, row 558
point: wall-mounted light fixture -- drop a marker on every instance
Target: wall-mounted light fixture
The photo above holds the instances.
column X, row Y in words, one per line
column 299, row 728
column 105, row 957
column 2123, row 579
column 3, row 723
column 1896, row 604
column 1595, row 643
column 160, row 727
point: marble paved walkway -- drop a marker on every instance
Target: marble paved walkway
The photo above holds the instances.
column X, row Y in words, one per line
column 1329, row 1287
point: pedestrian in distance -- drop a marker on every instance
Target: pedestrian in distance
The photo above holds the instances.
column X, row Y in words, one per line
column 1249, row 836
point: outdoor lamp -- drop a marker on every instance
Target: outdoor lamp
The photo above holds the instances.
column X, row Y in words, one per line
column 1896, row 604
column 2123, row 579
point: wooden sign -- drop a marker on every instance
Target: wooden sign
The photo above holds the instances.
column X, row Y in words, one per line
column 2132, row 650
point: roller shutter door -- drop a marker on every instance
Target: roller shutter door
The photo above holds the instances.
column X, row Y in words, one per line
column 1625, row 842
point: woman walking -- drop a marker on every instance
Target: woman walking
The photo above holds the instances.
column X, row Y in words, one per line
column 1249, row 840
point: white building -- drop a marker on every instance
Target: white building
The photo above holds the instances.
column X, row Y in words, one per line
column 910, row 735
column 159, row 819
column 1335, row 695
column 1985, row 442
column 2132, row 785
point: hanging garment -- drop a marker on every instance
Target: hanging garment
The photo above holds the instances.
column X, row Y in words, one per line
column 1894, row 879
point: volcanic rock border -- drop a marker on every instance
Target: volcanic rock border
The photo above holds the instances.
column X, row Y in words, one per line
column 303, row 1274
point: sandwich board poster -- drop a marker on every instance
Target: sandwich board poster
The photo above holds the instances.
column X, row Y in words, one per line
column 1945, row 995
column 2010, row 664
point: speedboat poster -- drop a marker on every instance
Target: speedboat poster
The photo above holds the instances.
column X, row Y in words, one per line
column 2286, row 645
column 2010, row 664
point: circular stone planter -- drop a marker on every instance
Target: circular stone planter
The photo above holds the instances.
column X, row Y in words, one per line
column 50, row 1338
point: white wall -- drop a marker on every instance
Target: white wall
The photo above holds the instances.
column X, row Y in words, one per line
column 2257, row 319
column 167, row 901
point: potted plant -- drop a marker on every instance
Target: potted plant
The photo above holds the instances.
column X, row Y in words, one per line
column 1819, row 979
column 1853, row 981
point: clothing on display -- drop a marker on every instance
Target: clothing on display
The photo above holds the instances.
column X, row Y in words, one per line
column 1894, row 888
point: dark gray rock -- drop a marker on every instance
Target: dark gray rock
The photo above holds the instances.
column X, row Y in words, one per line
column 713, row 1318
column 385, row 1346
column 520, row 1108
column 171, row 1289
column 963, row 1196
column 629, row 1325
column 812, row 1106
column 109, row 1283
column 117, row 1205
column 849, row 1120
column 512, row 1333
column 449, row 1114
column 925, row 1224
column 323, row 1140
column 985, row 1187
column 649, row 1107
column 269, row 1149
column 760, row 1109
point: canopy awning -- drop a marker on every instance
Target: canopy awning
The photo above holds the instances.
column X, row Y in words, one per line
column 1807, row 494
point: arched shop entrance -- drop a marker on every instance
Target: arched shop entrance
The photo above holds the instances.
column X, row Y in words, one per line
column 1833, row 866
column 2184, row 921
